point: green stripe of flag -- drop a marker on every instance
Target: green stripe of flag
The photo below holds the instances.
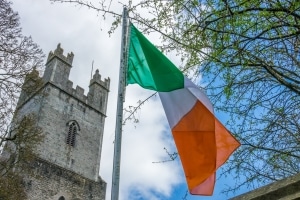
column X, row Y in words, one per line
column 149, row 68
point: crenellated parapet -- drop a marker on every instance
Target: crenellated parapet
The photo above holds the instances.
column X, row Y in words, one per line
column 58, row 52
column 57, row 73
column 98, row 92
column 97, row 80
column 31, row 84
column 67, row 158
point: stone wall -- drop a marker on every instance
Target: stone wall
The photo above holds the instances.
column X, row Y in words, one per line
column 56, row 104
column 286, row 189
column 48, row 181
column 63, row 168
column 56, row 109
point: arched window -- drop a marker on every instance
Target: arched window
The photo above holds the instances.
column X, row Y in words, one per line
column 72, row 132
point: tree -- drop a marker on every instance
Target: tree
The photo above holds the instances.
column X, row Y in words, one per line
column 20, row 57
column 247, row 53
column 18, row 153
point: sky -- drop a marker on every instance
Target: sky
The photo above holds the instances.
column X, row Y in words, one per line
column 85, row 33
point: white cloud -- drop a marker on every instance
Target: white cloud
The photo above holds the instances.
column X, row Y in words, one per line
column 79, row 30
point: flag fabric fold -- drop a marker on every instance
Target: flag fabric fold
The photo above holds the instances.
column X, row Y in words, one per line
column 202, row 142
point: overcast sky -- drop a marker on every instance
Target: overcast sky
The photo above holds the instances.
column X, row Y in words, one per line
column 83, row 32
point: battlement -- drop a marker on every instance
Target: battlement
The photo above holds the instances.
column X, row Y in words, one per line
column 31, row 84
column 97, row 79
column 57, row 73
column 77, row 92
column 68, row 158
column 58, row 52
column 97, row 94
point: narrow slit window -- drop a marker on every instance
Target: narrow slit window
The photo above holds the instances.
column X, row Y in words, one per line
column 72, row 132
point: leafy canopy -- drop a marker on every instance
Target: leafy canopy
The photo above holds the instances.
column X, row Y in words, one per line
column 247, row 54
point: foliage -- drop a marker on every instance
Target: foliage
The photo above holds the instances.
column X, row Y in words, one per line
column 251, row 68
column 23, row 137
column 10, row 187
column 247, row 53
column 18, row 57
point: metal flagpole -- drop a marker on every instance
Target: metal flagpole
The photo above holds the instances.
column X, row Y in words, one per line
column 119, row 117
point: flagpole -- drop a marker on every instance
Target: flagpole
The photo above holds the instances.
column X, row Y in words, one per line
column 119, row 116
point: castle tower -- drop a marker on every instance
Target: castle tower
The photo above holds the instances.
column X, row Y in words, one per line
column 68, row 158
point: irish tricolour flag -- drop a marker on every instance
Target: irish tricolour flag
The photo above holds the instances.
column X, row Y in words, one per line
column 203, row 143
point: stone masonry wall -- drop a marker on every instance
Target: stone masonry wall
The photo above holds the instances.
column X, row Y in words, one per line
column 57, row 104
column 46, row 181
column 57, row 109
column 62, row 168
column 286, row 189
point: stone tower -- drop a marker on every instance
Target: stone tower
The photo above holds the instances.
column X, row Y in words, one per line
column 68, row 159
